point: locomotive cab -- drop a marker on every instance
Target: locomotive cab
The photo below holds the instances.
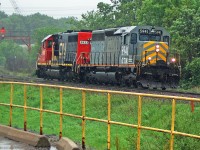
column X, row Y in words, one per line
column 47, row 53
column 152, row 57
column 46, row 50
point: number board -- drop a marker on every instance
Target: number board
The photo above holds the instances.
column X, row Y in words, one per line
column 158, row 32
column 144, row 31
column 84, row 42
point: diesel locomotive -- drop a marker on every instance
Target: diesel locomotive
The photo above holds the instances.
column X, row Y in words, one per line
column 130, row 56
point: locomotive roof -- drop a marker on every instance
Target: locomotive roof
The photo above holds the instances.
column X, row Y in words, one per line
column 125, row 29
column 48, row 36
column 104, row 30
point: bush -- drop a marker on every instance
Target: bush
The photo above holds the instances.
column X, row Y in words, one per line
column 191, row 73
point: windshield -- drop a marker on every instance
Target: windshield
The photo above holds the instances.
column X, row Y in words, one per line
column 149, row 37
column 49, row 44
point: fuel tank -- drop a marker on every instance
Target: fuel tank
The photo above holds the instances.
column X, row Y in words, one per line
column 53, row 73
column 102, row 77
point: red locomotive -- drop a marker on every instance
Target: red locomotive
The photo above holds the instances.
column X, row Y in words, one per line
column 60, row 53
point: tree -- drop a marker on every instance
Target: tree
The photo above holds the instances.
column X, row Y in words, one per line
column 125, row 13
column 191, row 73
column 119, row 13
column 152, row 12
column 72, row 23
column 102, row 18
column 185, row 32
column 3, row 15
column 15, row 59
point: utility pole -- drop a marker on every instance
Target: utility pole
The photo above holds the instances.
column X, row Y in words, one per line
column 15, row 6
column 18, row 35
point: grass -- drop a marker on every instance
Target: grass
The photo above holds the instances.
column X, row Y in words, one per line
column 155, row 114
column 23, row 73
column 192, row 89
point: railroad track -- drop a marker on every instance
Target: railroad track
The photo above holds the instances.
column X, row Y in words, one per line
column 172, row 92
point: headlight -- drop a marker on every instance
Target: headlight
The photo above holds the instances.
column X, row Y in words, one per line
column 157, row 48
column 173, row 60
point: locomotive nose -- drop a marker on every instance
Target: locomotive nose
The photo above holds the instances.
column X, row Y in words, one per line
column 157, row 51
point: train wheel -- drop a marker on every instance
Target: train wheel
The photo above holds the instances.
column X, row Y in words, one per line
column 163, row 88
column 140, row 86
column 135, row 84
column 105, row 83
column 87, row 80
column 129, row 82
column 112, row 84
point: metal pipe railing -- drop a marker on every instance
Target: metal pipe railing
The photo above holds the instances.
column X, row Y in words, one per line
column 84, row 118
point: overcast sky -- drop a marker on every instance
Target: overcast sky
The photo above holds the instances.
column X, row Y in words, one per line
column 53, row 8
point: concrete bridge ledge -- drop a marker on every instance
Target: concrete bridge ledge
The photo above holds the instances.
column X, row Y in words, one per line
column 66, row 144
column 24, row 136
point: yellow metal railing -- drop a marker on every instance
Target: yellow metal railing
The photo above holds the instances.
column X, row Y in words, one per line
column 139, row 126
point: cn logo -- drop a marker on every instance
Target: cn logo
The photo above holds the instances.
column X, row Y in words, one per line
column 84, row 42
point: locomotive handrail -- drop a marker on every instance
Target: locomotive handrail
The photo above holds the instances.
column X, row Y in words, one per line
column 84, row 118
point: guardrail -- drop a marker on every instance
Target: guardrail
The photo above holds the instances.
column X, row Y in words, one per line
column 84, row 118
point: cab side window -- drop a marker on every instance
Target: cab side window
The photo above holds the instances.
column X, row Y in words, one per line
column 49, row 44
column 133, row 38
column 166, row 39
column 126, row 39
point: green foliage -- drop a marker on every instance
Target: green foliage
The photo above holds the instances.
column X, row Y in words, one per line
column 125, row 13
column 41, row 33
column 14, row 58
column 3, row 15
column 33, row 22
column 72, row 23
column 152, row 12
column 192, row 72
column 111, row 15
column 102, row 18
column 185, row 33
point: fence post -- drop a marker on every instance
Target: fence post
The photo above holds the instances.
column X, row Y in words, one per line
column 139, row 120
column 11, row 101
column 192, row 106
column 109, row 107
column 83, row 119
column 61, row 111
column 41, row 98
column 172, row 125
column 25, row 103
